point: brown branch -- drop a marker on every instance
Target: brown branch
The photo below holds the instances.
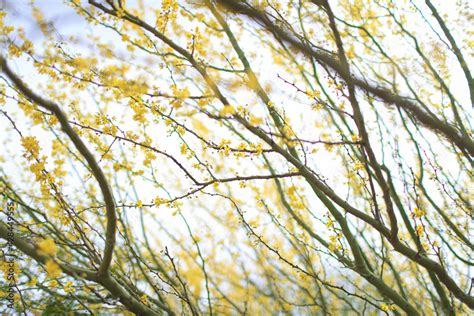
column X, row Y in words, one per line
column 105, row 280
column 86, row 153
column 437, row 125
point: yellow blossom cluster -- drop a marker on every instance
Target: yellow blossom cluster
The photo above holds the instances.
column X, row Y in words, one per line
column 418, row 212
column 334, row 242
column 388, row 307
column 48, row 247
column 31, row 145
column 52, row 269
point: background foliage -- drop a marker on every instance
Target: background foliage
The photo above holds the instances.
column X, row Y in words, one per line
column 238, row 157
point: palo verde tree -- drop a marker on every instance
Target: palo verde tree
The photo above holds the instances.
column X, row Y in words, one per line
column 227, row 157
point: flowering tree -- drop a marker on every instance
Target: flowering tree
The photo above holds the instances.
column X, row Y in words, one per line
column 236, row 157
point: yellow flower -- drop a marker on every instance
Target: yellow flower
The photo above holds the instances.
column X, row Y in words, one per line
column 181, row 93
column 158, row 201
column 180, row 130
column 313, row 94
column 53, row 283
column 37, row 168
column 350, row 52
column 139, row 203
column 255, row 120
column 30, row 143
column 418, row 212
column 14, row 51
column 330, row 223
column 388, row 307
column 68, row 287
column 53, row 269
column 358, row 166
column 419, row 230
column 144, row 299
column 48, row 247
column 334, row 243
column 183, row 148
column 149, row 156
column 227, row 110
column 32, row 282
